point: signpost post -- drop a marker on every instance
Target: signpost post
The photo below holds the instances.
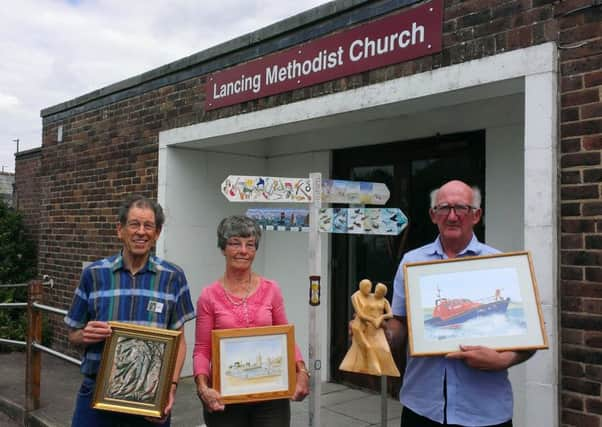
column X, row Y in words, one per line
column 315, row 274
column 357, row 220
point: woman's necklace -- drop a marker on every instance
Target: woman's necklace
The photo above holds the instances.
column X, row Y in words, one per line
column 243, row 300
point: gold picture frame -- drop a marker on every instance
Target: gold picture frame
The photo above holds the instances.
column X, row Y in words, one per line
column 254, row 364
column 136, row 370
column 487, row 300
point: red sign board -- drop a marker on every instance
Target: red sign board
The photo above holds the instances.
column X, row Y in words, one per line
column 409, row 34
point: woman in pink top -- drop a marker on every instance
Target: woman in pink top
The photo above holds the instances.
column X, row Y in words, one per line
column 240, row 299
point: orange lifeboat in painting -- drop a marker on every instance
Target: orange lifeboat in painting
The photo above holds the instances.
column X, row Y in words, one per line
column 451, row 312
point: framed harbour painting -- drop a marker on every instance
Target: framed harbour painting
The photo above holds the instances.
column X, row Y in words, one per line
column 488, row 300
column 136, row 370
column 254, row 364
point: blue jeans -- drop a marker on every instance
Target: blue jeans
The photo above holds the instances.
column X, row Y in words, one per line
column 85, row 416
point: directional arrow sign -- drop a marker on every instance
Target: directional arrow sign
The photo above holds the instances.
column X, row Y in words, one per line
column 281, row 219
column 388, row 221
column 239, row 188
column 378, row 221
column 354, row 192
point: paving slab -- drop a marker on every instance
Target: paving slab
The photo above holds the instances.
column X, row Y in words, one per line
column 367, row 408
column 345, row 395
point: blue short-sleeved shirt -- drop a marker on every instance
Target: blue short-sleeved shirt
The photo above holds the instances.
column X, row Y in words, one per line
column 474, row 397
column 157, row 296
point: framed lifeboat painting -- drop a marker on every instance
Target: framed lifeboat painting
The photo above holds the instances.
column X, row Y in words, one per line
column 487, row 300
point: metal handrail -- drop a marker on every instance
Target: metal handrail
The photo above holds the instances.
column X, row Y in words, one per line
column 14, row 285
column 49, row 309
column 12, row 304
column 34, row 336
column 56, row 354
column 14, row 342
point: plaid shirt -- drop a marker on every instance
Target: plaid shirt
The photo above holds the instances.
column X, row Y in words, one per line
column 157, row 296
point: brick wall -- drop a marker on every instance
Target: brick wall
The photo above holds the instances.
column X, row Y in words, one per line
column 580, row 44
column 27, row 190
column 111, row 151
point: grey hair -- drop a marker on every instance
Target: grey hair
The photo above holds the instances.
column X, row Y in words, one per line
column 476, row 197
column 237, row 226
column 138, row 201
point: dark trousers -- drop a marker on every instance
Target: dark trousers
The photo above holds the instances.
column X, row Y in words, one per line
column 410, row 418
column 271, row 413
column 85, row 416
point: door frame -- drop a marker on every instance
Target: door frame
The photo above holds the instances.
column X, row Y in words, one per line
column 403, row 153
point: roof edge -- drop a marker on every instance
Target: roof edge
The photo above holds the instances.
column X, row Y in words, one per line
column 29, row 152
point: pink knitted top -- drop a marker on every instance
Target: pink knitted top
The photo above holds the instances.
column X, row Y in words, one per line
column 215, row 310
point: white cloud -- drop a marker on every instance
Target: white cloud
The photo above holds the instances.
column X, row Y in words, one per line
column 8, row 102
column 57, row 50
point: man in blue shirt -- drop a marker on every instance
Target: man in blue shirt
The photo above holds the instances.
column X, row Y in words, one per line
column 131, row 286
column 465, row 388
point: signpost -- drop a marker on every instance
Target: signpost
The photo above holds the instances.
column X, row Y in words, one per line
column 315, row 220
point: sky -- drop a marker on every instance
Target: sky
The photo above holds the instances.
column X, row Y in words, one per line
column 56, row 50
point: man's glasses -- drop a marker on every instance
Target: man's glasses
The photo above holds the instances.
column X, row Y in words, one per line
column 135, row 225
column 460, row 210
column 237, row 244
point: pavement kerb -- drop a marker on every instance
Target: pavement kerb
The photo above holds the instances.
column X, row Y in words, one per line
column 18, row 413
column 14, row 411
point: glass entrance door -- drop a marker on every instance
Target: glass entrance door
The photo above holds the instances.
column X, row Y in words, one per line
column 410, row 170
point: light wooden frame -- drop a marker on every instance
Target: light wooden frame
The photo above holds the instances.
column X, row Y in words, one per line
column 243, row 346
column 153, row 356
column 517, row 326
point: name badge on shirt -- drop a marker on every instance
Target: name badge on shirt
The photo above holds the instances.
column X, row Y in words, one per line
column 155, row 306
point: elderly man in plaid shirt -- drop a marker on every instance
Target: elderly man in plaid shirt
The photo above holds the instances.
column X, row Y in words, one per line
column 131, row 286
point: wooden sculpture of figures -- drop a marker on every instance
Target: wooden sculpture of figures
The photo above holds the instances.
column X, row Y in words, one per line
column 369, row 352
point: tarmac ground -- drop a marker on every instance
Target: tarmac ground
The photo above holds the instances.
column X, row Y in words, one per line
column 341, row 406
column 5, row 421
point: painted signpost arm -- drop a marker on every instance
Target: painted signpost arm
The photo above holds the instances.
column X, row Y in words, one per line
column 358, row 220
column 354, row 192
column 273, row 189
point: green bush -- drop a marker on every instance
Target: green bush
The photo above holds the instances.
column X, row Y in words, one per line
column 17, row 265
